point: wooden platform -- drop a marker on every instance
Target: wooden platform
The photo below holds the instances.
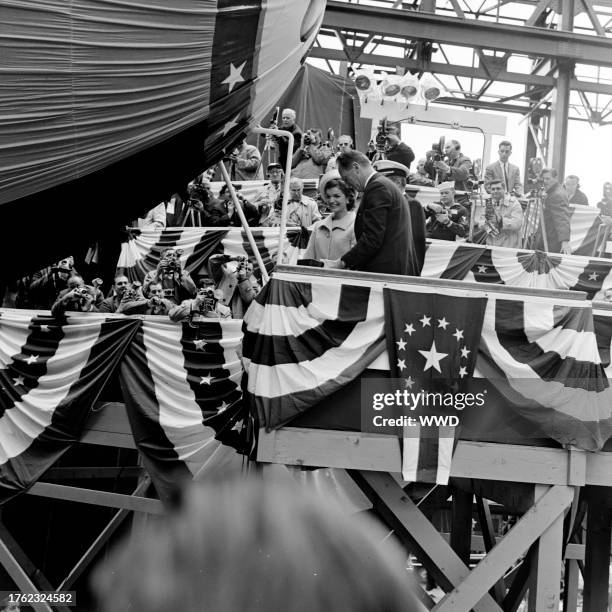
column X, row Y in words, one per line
column 550, row 488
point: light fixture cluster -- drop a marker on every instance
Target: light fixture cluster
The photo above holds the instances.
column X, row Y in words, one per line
column 394, row 87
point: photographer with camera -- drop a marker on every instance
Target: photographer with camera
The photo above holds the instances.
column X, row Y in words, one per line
column 503, row 217
column 245, row 163
column 310, row 160
column 234, row 281
column 77, row 297
column 269, row 194
column 446, row 219
column 121, row 284
column 396, row 150
column 281, row 142
column 176, row 282
column 47, row 284
column 250, row 211
column 205, row 305
column 454, row 166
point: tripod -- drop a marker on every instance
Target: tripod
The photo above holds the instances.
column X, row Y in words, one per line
column 533, row 224
column 192, row 218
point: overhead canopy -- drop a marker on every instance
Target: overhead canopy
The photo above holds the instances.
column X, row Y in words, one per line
column 108, row 108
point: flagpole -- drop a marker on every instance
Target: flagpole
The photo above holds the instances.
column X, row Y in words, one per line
column 283, row 225
column 245, row 224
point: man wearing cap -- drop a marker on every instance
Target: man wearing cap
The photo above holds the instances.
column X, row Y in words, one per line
column 267, row 196
column 382, row 224
column 446, row 219
column 398, row 173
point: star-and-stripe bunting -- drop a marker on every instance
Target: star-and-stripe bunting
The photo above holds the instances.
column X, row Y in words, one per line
column 432, row 342
column 142, row 254
column 181, row 387
column 516, row 267
column 51, row 372
column 540, row 355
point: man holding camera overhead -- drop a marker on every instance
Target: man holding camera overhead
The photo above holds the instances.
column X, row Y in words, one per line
column 455, row 166
column 396, row 150
column 77, row 297
column 446, row 219
column 205, row 305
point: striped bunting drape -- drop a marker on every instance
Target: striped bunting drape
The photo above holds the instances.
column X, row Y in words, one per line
column 51, row 372
column 181, row 387
column 305, row 340
column 520, row 268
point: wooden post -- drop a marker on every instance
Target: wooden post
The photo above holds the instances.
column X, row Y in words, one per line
column 597, row 554
column 461, row 524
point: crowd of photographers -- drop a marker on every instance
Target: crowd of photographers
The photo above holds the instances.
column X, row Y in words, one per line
column 330, row 214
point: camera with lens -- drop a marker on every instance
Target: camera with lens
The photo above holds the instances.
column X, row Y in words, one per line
column 437, row 149
column 207, row 299
column 80, row 292
column 381, row 135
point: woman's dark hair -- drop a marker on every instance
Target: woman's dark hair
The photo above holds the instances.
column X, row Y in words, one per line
column 345, row 189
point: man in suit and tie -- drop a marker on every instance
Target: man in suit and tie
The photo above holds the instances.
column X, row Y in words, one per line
column 503, row 171
column 382, row 224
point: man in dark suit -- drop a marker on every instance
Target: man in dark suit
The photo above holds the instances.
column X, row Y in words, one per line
column 574, row 194
column 398, row 173
column 382, row 224
column 556, row 214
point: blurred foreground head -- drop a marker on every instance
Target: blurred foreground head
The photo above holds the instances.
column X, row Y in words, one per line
column 255, row 545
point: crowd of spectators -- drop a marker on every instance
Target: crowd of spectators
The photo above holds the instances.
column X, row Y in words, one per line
column 362, row 216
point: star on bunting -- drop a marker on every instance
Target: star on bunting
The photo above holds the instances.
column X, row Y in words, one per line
column 19, row 381
column 462, row 371
column 433, row 358
column 465, row 352
column 32, row 359
column 482, row 269
column 401, row 364
column 425, row 321
column 223, row 407
column 443, row 323
column 230, row 125
column 409, row 329
column 45, row 328
column 199, row 345
column 234, row 76
column 401, row 345
column 409, row 382
column 458, row 334
column 206, row 380
column 593, row 276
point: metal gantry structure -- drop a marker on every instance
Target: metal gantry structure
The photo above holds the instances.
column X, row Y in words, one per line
column 550, row 60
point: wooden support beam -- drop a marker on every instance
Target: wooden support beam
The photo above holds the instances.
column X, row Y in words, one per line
column 570, row 587
column 488, row 535
column 461, row 524
column 520, row 582
column 544, row 589
column 597, row 553
column 22, row 580
column 417, row 533
column 101, row 540
column 33, row 573
column 97, row 498
column 530, row 527
column 87, row 473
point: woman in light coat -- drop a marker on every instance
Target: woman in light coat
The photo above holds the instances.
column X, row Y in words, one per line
column 334, row 236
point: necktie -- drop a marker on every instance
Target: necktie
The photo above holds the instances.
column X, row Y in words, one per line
column 505, row 168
